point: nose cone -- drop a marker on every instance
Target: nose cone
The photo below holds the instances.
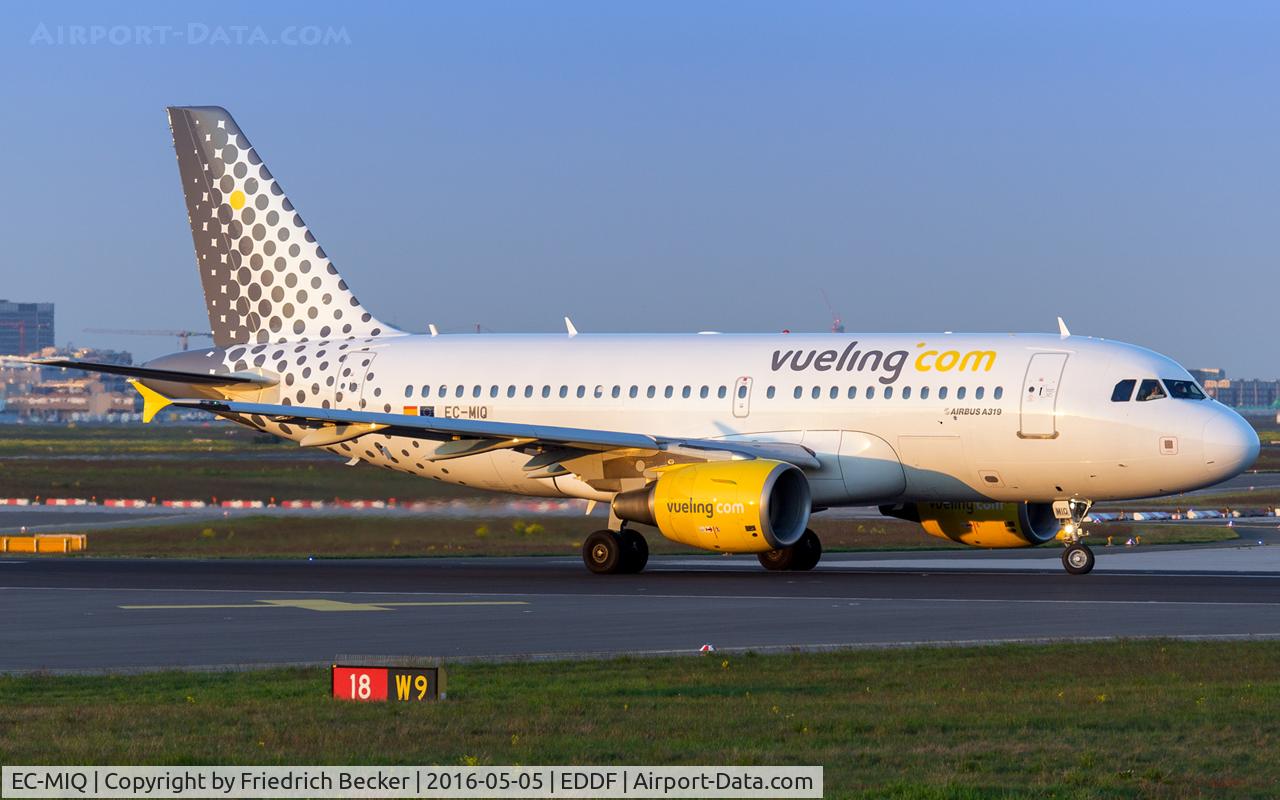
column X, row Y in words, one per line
column 1230, row 445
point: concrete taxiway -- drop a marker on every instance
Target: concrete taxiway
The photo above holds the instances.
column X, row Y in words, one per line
column 108, row 614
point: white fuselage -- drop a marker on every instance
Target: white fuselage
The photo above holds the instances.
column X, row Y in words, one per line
column 891, row 417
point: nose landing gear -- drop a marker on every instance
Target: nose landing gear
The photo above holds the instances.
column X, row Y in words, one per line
column 1077, row 559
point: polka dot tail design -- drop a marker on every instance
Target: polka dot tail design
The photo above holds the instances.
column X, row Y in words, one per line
column 265, row 278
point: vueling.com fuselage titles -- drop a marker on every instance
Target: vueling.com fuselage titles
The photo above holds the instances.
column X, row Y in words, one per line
column 891, row 363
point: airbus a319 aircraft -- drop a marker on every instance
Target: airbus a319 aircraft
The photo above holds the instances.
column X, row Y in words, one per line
column 727, row 443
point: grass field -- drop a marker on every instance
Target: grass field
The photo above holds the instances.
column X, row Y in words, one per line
column 1125, row 719
column 382, row 536
column 188, row 476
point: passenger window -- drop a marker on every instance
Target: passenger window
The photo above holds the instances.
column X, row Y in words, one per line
column 835, row 392
column 906, row 392
column 799, row 392
column 528, row 390
column 942, row 393
column 493, row 390
column 408, row 391
column 853, row 392
column 1150, row 389
column 564, row 391
column 770, row 392
column 888, row 392
column 617, row 392
column 1123, row 391
column 871, row 392
column 598, row 392
column 426, row 391
column 960, row 393
column 721, row 392
column 704, row 392
column 582, row 391
column 651, row 391
column 742, row 392
column 1183, row 390
column 444, row 392
column 924, row 392
column 546, row 391
column 816, row 392
column 475, row 390
column 686, row 392
column 667, row 392
column 633, row 392
column 999, row 392
column 977, row 393
column 459, row 390
column 511, row 391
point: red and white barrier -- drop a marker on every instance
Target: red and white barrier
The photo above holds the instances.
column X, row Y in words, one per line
column 124, row 502
column 65, row 501
column 14, row 501
column 184, row 504
column 362, row 503
column 243, row 504
column 302, row 504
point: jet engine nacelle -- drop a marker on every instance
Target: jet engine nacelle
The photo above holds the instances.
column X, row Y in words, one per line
column 983, row 524
column 730, row 506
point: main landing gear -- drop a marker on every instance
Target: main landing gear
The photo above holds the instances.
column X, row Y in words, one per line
column 612, row 552
column 799, row 557
column 1077, row 559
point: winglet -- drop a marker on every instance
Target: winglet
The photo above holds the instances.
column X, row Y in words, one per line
column 568, row 324
column 1062, row 329
column 152, row 401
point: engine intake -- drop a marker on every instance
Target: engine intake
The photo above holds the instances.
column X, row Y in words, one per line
column 982, row 524
column 730, row 506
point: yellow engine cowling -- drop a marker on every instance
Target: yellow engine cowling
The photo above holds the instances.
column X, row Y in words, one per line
column 983, row 524
column 728, row 506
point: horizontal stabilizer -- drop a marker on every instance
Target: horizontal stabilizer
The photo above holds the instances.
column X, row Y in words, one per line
column 147, row 373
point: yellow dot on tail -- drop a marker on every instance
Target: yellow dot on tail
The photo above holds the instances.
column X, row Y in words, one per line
column 237, row 199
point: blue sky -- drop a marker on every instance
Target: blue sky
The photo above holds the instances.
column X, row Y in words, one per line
column 680, row 166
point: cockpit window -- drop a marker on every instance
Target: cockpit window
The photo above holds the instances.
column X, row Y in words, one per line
column 1150, row 390
column 1183, row 390
column 1123, row 391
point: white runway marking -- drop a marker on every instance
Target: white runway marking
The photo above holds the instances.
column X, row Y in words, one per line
column 646, row 596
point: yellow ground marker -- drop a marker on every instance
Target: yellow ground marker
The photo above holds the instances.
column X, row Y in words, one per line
column 327, row 605
column 44, row 543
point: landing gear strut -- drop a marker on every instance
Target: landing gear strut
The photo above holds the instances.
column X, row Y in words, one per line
column 801, row 556
column 1077, row 559
column 612, row 552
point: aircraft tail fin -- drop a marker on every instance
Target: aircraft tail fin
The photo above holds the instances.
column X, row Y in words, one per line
column 265, row 278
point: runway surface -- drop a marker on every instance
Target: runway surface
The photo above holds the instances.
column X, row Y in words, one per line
column 106, row 614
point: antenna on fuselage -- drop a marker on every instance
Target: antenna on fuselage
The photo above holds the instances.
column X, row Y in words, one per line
column 568, row 325
column 1062, row 329
column 431, row 326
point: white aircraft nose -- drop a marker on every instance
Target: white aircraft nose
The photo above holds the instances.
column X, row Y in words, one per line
column 1230, row 445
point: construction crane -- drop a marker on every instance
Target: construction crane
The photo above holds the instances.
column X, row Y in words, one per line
column 184, row 337
column 837, row 324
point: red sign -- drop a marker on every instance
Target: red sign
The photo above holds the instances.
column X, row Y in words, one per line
column 360, row 683
column 404, row 684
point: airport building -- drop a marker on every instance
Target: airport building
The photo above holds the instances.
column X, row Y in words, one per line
column 30, row 393
column 1247, row 393
column 25, row 328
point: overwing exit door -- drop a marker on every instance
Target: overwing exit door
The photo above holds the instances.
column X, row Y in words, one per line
column 1040, row 396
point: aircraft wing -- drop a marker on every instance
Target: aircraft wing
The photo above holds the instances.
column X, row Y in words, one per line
column 462, row 437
